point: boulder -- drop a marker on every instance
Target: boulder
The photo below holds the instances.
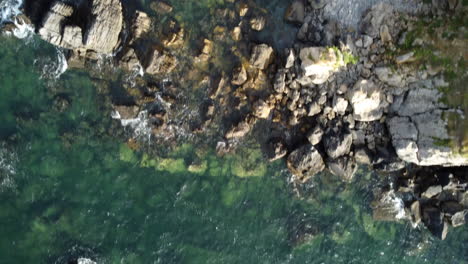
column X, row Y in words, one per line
column 276, row 149
column 317, row 4
column 378, row 15
column 343, row 167
column 337, row 142
column 305, row 162
column 368, row 101
column 460, row 218
column 315, row 135
column 159, row 61
column 261, row 57
column 262, row 109
column 319, row 63
column 129, row 61
column 126, row 112
column 280, row 81
column 390, row 77
column 161, row 7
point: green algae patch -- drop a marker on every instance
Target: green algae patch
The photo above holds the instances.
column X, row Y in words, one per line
column 127, row 154
column 378, row 230
column 171, row 165
column 199, row 167
column 249, row 163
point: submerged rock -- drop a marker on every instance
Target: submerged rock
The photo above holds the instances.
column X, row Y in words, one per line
column 261, row 57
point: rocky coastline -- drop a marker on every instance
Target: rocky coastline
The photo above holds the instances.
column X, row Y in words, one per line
column 383, row 94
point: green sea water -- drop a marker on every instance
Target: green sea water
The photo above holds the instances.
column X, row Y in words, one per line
column 70, row 187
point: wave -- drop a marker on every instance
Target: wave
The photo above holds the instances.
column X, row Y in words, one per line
column 8, row 160
column 52, row 69
column 140, row 125
column 9, row 9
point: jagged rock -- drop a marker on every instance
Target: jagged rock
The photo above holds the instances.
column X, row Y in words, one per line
column 343, row 167
column 340, row 105
column 362, row 156
column 261, row 57
column 378, row 15
column 295, row 12
column 404, row 136
column 315, row 135
column 280, row 81
column 173, row 34
column 129, row 61
column 388, row 207
column 105, row 26
column 257, row 23
column 85, row 261
column 416, row 212
column 141, row 24
column 368, row 101
column 390, row 77
column 460, row 218
column 159, row 61
column 276, row 149
column 290, row 59
column 53, row 22
column 319, row 63
column 242, row 128
column 314, row 109
column 239, row 76
column 317, row 4
column 236, row 34
column 305, row 162
column 161, row 7
column 432, row 191
column 262, row 109
column 337, row 142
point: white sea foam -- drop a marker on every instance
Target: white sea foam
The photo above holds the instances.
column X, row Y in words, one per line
column 8, row 161
column 140, row 125
column 9, row 9
column 399, row 206
column 52, row 69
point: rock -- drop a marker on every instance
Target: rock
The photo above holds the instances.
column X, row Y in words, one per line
column 416, row 212
column 161, row 7
column 159, row 61
column 129, row 61
column 239, row 76
column 242, row 128
column 72, row 37
column 368, row 101
column 385, row 34
column 388, row 207
column 367, row 41
column 340, row 105
column 404, row 136
column 378, row 15
column 315, row 135
column 337, row 142
column 405, row 58
column 243, row 9
column 257, row 23
column 105, row 26
column 262, row 109
column 432, row 191
column 206, row 51
column 343, row 167
column 363, row 156
column 261, row 57
column 126, row 112
column 173, row 34
column 141, row 24
column 460, row 218
column 280, row 82
column 433, row 219
column 52, row 24
column 236, row 34
column 276, row 149
column 390, row 77
column 290, row 59
column 305, row 162
column 295, row 12
column 317, row 4
column 314, row 109
column 319, row 63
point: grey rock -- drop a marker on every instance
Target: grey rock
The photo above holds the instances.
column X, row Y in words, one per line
column 460, row 218
column 368, row 101
column 276, row 149
column 343, row 167
column 337, row 142
column 129, row 61
column 280, row 81
column 433, row 219
column 305, row 162
column 340, row 105
column 314, row 109
column 290, row 59
column 317, row 4
column 390, row 77
column 405, row 58
column 315, row 135
column 261, row 57
column 416, row 212
column 295, row 12
column 432, row 191
column 53, row 22
column 363, row 156
column 159, row 61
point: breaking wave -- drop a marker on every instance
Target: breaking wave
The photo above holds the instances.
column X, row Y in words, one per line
column 9, row 9
column 8, row 161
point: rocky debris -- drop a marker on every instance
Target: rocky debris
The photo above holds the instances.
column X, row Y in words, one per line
column 368, row 101
column 159, row 61
column 261, row 57
column 276, row 149
column 161, row 7
column 305, row 162
column 319, row 63
column 433, row 196
column 295, row 12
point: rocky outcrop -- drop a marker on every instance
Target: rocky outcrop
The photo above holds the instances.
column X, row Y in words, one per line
column 101, row 35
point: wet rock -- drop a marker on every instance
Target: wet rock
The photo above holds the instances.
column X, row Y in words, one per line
column 242, row 128
column 126, row 112
column 319, row 63
column 173, row 34
column 159, row 61
column 206, row 50
column 460, row 218
column 257, row 23
column 315, row 135
column 416, row 212
column 161, row 7
column 337, row 142
column 363, row 156
column 129, row 61
column 343, row 167
column 305, row 162
column 368, row 101
column 433, row 219
column 295, row 12
column 85, row 261
column 239, row 76
column 387, row 207
column 261, row 57
column 276, row 149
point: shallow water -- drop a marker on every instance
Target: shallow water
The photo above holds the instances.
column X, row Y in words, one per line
column 70, row 189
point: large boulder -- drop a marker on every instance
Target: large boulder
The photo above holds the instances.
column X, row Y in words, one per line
column 337, row 142
column 319, row 63
column 305, row 162
column 368, row 101
column 419, row 130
